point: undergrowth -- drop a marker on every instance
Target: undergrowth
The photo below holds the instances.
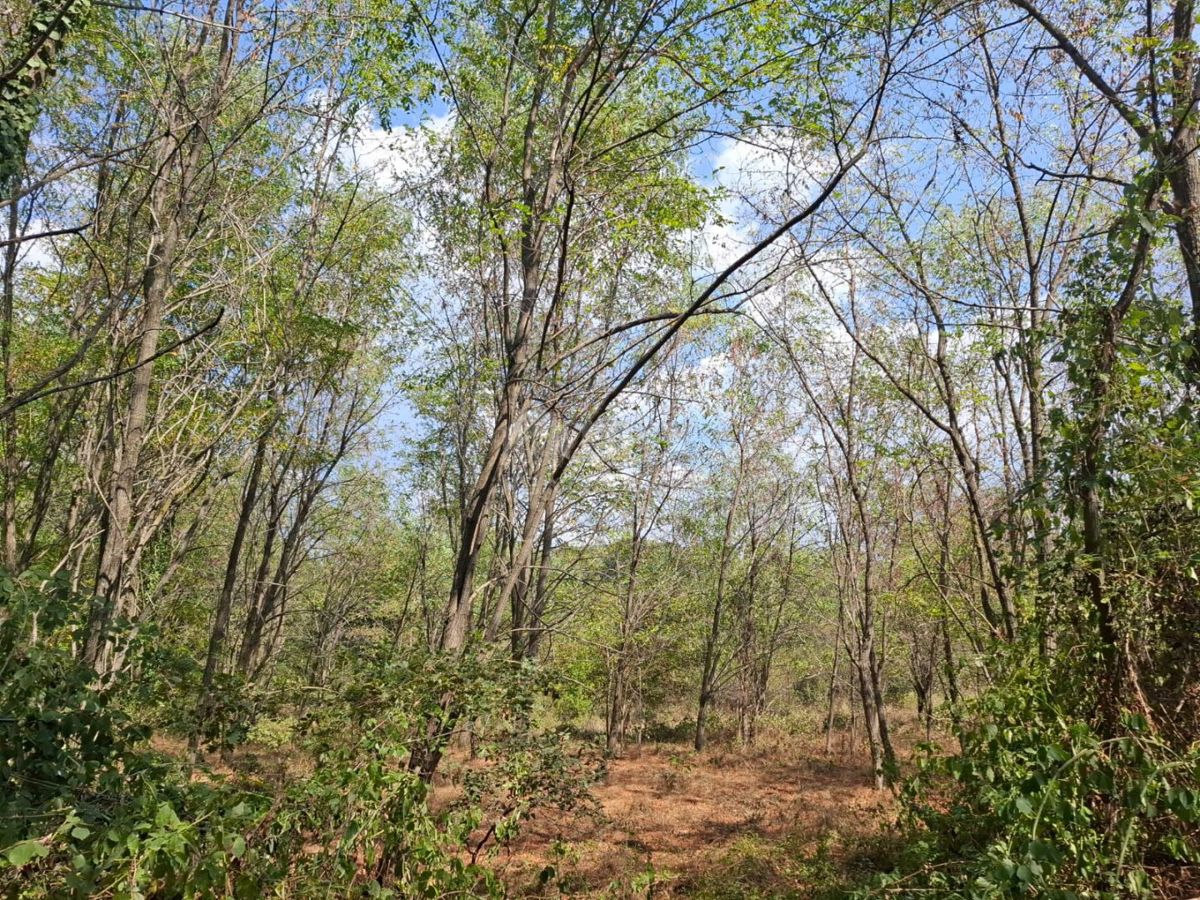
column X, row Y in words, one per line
column 88, row 809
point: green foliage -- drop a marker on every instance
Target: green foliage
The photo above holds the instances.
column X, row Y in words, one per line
column 27, row 64
column 86, row 807
column 1037, row 802
column 515, row 769
column 526, row 771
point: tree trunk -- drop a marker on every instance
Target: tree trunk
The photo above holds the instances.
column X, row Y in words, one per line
column 837, row 648
column 711, row 658
column 8, row 424
column 220, row 628
column 111, row 600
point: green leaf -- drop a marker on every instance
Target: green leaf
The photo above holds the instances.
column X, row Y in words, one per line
column 22, row 853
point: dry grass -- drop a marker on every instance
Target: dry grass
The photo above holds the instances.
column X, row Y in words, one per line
column 774, row 820
column 671, row 818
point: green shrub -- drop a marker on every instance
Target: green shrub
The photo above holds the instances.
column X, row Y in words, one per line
column 1036, row 803
column 86, row 808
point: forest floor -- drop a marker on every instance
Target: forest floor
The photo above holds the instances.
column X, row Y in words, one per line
column 780, row 820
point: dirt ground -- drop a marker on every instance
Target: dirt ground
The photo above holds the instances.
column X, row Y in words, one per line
column 782, row 819
column 668, row 820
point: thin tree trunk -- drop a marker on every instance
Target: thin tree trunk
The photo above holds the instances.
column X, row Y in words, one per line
column 8, row 424
column 110, row 580
column 220, row 628
column 710, row 661
column 837, row 648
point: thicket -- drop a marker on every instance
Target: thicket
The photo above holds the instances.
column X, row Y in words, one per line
column 90, row 808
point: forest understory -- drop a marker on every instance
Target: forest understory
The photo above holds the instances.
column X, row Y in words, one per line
column 793, row 817
column 783, row 820
column 790, row 817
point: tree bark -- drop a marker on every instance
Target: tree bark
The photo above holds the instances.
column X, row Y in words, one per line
column 220, row 627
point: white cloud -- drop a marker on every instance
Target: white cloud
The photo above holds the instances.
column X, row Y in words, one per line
column 401, row 154
column 40, row 253
column 761, row 178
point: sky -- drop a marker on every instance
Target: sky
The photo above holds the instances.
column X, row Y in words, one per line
column 751, row 178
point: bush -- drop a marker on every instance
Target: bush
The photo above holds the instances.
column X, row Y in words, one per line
column 1037, row 803
column 681, row 732
column 87, row 809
